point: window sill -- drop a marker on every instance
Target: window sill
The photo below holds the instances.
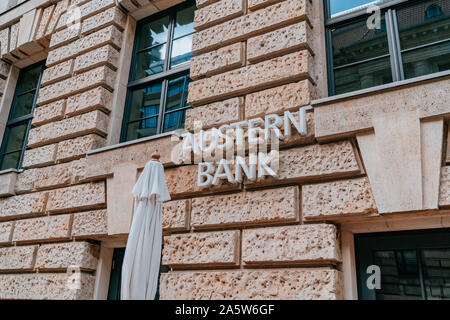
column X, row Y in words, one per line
column 377, row 89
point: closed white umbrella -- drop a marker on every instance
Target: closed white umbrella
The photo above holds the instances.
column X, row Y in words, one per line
column 141, row 262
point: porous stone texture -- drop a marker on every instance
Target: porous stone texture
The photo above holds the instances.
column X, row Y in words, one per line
column 64, row 36
column 278, row 42
column 103, row 19
column 256, row 4
column 64, row 255
column 57, row 73
column 218, row 12
column 60, row 7
column 315, row 243
column 215, row 114
column 105, row 55
column 87, row 10
column 254, row 23
column 221, row 60
column 48, row 113
column 338, row 198
column 99, row 76
column 291, row 67
column 109, row 35
column 444, row 189
column 175, row 215
column 46, row 14
column 4, row 67
column 315, row 161
column 288, row 97
column 84, row 196
column 6, row 229
column 77, row 147
column 29, row 204
column 296, row 138
column 45, row 228
column 97, row 98
column 210, row 248
column 204, row 3
column 51, row 177
column 90, row 224
column 39, row 157
column 7, row 183
column 286, row 284
column 92, row 122
column 246, row 208
column 46, row 286
column 17, row 258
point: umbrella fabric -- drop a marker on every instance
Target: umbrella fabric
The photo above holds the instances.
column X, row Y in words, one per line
column 141, row 262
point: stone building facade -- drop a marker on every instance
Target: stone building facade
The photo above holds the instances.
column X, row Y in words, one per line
column 373, row 160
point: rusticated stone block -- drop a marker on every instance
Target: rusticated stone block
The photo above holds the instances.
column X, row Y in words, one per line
column 63, row 255
column 288, row 97
column 2, row 86
column 220, row 60
column 338, row 198
column 57, row 73
column 84, row 196
column 64, row 36
column 45, row 19
column 90, row 224
column 6, row 229
column 39, row 157
column 296, row 138
column 87, row 10
column 246, row 208
column 175, row 215
column 48, row 113
column 313, row 162
column 109, row 35
column 256, row 4
column 215, row 114
column 218, row 12
column 4, row 68
column 286, row 284
column 112, row 16
column 4, row 41
column 291, row 67
column 92, row 122
column 315, row 243
column 84, row 81
column 105, row 55
column 181, row 181
column 210, row 248
column 28, row 204
column 279, row 42
column 78, row 147
column 13, row 34
column 17, row 258
column 7, row 183
column 45, row 228
column 61, row 6
column 444, row 189
column 97, row 98
column 254, row 23
column 204, row 3
column 46, row 286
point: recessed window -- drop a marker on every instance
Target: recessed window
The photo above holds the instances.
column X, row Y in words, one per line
column 413, row 265
column 159, row 76
column 19, row 121
column 410, row 39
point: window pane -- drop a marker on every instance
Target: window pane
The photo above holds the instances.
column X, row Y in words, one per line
column 29, row 79
column 355, row 42
column 11, row 160
column 399, row 275
column 181, row 52
column 424, row 23
column 145, row 102
column 23, row 105
column 150, row 62
column 177, row 93
column 153, row 33
column 436, row 273
column 364, row 75
column 347, row 6
column 184, row 23
column 15, row 137
column 427, row 60
column 174, row 120
column 142, row 128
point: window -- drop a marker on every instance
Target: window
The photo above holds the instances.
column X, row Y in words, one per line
column 411, row 40
column 20, row 116
column 159, row 76
column 414, row 265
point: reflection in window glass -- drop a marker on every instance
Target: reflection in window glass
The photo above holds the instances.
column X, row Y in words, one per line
column 150, row 62
column 154, row 33
column 346, row 6
column 184, row 23
column 436, row 273
column 181, row 52
column 176, row 104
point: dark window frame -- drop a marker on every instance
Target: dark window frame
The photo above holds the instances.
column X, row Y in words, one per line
column 388, row 10
column 25, row 119
column 164, row 77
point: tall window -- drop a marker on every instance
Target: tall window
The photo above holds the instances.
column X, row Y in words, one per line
column 20, row 116
column 159, row 76
column 412, row 39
